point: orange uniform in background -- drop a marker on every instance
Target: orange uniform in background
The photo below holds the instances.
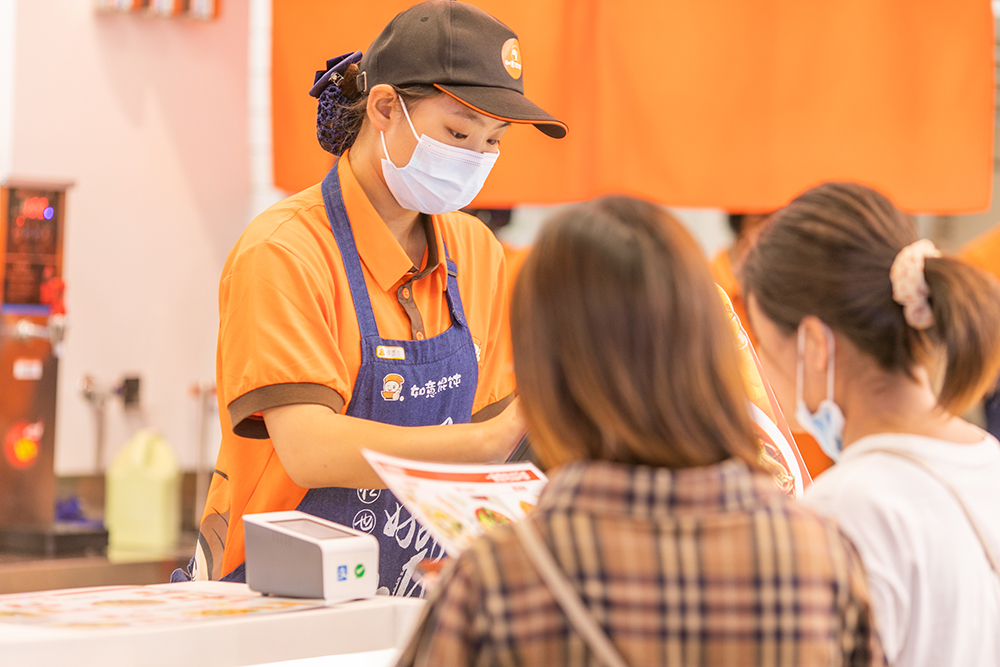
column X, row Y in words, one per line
column 289, row 335
column 515, row 259
column 984, row 252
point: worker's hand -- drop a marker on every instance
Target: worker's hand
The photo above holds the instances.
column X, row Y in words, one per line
column 504, row 432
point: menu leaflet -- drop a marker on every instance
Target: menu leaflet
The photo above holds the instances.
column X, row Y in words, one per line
column 458, row 503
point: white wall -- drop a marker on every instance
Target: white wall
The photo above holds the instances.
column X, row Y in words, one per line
column 149, row 118
column 261, row 154
column 7, row 42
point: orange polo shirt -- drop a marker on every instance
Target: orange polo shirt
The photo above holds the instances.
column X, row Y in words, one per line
column 288, row 334
column 984, row 252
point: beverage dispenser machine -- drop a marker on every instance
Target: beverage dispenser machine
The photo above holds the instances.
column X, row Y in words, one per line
column 31, row 330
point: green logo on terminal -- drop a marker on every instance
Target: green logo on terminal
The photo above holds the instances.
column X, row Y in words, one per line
column 359, row 571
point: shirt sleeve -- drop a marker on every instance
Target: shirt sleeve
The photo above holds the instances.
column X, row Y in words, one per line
column 449, row 633
column 276, row 337
column 496, row 372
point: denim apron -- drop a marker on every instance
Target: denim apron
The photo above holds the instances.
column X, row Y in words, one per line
column 402, row 382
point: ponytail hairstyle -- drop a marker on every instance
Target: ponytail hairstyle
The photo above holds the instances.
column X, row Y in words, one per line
column 342, row 108
column 829, row 254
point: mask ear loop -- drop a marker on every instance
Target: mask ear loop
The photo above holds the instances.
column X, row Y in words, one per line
column 800, row 362
column 800, row 365
column 385, row 151
column 832, row 348
column 407, row 114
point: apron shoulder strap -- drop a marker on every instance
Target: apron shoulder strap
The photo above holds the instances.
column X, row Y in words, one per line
column 930, row 470
column 562, row 590
column 454, row 298
column 340, row 225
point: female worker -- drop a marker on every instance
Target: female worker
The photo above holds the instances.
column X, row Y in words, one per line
column 875, row 342
column 658, row 537
column 363, row 312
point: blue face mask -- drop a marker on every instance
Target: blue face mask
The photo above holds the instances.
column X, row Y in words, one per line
column 826, row 425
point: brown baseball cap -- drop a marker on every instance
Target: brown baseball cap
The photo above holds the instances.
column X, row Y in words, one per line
column 462, row 51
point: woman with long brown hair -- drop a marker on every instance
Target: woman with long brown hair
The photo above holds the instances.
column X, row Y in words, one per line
column 876, row 343
column 658, row 539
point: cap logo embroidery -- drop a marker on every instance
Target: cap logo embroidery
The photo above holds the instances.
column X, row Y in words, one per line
column 511, row 55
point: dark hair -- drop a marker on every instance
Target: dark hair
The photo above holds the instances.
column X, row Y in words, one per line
column 736, row 223
column 622, row 349
column 828, row 254
column 342, row 110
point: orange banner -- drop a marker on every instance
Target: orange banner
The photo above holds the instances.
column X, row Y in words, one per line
column 724, row 103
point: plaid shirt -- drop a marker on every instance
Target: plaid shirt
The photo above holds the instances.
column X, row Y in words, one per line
column 700, row 566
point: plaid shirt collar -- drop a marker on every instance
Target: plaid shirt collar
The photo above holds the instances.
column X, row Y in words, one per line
column 606, row 488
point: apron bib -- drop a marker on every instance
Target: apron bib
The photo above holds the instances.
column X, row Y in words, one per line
column 401, row 382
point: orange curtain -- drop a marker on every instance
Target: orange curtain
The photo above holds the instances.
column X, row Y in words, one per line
column 725, row 103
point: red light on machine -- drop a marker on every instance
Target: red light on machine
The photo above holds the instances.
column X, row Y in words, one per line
column 36, row 208
column 21, row 446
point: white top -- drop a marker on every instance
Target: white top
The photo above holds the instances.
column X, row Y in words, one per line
column 936, row 599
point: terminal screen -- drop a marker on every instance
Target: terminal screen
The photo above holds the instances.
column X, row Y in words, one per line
column 320, row 531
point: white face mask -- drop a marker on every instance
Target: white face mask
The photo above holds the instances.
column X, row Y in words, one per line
column 438, row 178
column 826, row 425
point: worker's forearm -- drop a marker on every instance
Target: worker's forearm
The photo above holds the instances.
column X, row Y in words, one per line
column 319, row 447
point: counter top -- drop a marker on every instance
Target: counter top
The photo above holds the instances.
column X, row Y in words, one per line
column 230, row 637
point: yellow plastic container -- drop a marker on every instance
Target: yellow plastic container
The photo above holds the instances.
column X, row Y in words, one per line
column 142, row 502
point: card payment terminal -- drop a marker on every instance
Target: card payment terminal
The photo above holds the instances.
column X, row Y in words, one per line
column 294, row 554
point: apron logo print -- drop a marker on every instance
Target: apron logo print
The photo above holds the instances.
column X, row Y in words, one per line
column 392, row 387
column 479, row 350
column 432, row 388
column 368, row 496
column 364, row 521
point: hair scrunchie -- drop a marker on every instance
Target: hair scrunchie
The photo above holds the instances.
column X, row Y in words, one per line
column 909, row 284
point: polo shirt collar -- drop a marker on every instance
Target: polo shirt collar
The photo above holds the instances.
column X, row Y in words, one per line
column 379, row 250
